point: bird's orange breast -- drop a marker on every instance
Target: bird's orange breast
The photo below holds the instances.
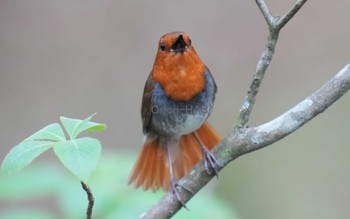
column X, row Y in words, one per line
column 180, row 74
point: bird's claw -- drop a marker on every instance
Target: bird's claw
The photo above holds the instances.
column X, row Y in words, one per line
column 175, row 192
column 210, row 162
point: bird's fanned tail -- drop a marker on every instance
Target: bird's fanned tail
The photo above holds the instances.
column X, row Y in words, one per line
column 151, row 170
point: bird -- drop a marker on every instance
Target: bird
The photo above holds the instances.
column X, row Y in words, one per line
column 177, row 100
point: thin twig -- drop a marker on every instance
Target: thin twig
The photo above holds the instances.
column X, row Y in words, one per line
column 91, row 199
column 275, row 24
column 265, row 11
column 285, row 19
column 263, row 64
column 278, row 23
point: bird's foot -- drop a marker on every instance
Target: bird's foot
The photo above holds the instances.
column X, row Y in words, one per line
column 175, row 191
column 210, row 162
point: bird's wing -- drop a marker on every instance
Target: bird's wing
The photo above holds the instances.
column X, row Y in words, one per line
column 146, row 108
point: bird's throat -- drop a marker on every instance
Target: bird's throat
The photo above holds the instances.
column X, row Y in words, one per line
column 181, row 75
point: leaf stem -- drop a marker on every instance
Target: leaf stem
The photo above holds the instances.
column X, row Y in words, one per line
column 91, row 199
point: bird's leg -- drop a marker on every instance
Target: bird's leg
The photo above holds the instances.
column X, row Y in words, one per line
column 173, row 183
column 209, row 159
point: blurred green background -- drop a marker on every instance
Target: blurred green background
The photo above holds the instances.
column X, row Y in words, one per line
column 73, row 58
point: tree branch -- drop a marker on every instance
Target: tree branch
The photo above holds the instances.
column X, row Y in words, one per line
column 243, row 140
column 263, row 64
column 285, row 19
column 258, row 137
column 275, row 24
column 265, row 11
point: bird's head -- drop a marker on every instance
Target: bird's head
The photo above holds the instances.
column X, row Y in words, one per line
column 177, row 67
column 175, row 42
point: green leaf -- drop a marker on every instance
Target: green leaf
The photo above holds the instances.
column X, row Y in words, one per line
column 80, row 156
column 52, row 132
column 93, row 126
column 75, row 126
column 23, row 154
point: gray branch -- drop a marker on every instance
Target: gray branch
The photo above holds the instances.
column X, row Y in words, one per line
column 285, row 19
column 258, row 137
column 242, row 139
column 275, row 24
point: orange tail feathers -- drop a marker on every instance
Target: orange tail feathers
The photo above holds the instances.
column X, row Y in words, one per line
column 151, row 170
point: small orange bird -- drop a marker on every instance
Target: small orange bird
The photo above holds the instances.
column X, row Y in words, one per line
column 177, row 100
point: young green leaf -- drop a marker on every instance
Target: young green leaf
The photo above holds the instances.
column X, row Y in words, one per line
column 75, row 126
column 23, row 154
column 80, row 156
column 93, row 126
column 51, row 132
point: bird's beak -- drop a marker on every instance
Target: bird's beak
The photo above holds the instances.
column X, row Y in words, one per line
column 179, row 46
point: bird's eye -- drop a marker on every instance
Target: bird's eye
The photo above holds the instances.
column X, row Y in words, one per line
column 161, row 46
